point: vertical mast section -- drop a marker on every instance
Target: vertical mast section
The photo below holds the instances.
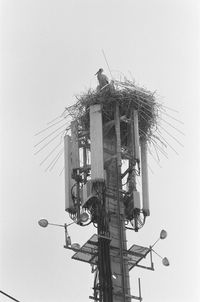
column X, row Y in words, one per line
column 115, row 206
column 145, row 187
column 98, row 188
column 105, row 160
column 120, row 213
column 76, row 165
column 69, row 181
column 120, row 210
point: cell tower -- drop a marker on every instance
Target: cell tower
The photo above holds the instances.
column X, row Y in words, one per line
column 106, row 182
column 106, row 139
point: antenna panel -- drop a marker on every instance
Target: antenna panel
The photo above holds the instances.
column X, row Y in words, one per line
column 68, row 172
column 75, row 145
column 136, row 200
column 96, row 138
column 86, row 191
column 145, row 187
column 136, row 135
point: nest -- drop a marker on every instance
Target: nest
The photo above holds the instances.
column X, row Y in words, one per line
column 128, row 96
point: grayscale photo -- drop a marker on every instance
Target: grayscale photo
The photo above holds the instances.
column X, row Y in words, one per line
column 100, row 144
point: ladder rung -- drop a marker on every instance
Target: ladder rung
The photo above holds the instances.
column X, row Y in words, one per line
column 93, row 298
column 134, row 297
column 128, row 296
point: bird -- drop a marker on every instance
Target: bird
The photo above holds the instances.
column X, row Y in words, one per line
column 102, row 78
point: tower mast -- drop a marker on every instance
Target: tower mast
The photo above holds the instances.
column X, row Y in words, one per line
column 105, row 152
column 104, row 157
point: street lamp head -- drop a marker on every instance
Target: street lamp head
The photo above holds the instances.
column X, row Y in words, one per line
column 43, row 223
column 165, row 261
column 75, row 246
column 163, row 234
column 84, row 217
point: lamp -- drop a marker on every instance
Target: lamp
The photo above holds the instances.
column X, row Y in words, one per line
column 83, row 218
column 165, row 261
column 44, row 222
column 75, row 246
column 163, row 235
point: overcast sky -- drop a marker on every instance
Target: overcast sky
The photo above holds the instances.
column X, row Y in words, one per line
column 50, row 51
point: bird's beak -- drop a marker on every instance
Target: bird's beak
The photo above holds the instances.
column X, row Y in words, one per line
column 96, row 73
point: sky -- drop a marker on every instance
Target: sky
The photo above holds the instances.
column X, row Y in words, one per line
column 50, row 51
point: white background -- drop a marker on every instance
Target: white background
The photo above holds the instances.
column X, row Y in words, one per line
column 50, row 51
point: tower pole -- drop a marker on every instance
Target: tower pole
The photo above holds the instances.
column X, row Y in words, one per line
column 110, row 127
column 115, row 208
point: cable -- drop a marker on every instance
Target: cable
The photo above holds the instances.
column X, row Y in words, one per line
column 3, row 293
column 55, row 159
column 51, row 134
column 167, row 142
column 50, row 153
column 172, row 136
column 49, row 142
column 172, row 117
column 107, row 63
column 48, row 127
column 173, row 127
column 61, row 172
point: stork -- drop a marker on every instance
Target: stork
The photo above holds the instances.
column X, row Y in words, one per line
column 102, row 78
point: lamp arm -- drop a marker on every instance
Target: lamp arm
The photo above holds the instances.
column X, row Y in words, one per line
column 155, row 242
column 157, row 254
